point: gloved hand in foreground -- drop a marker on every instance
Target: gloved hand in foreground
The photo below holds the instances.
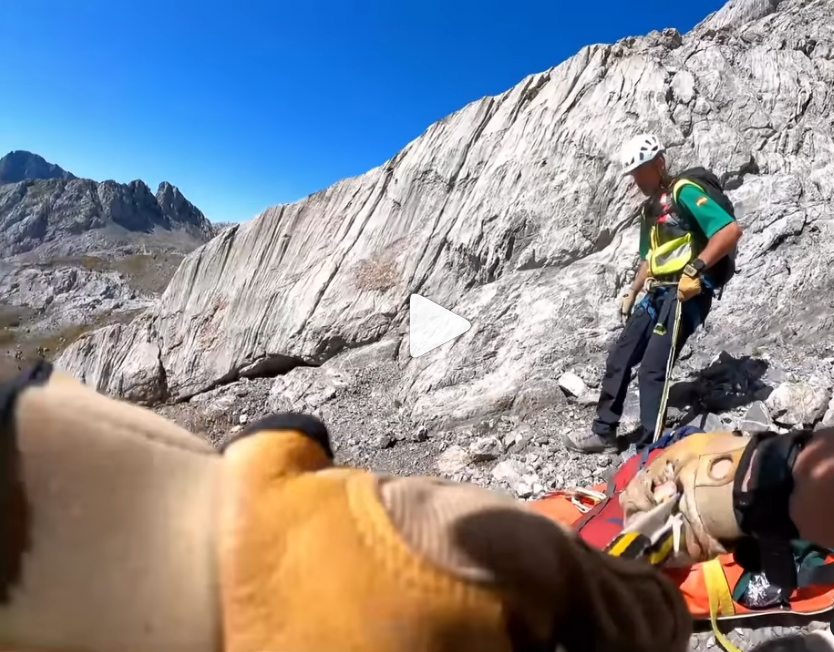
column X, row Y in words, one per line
column 735, row 492
column 124, row 532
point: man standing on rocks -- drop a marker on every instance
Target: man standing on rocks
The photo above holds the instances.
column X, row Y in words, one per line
column 688, row 238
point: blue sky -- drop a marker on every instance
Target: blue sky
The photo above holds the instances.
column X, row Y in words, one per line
column 245, row 105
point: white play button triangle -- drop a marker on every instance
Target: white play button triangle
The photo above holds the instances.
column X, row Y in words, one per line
column 430, row 325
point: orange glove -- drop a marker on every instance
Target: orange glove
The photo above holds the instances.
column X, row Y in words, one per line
column 689, row 287
column 141, row 536
column 386, row 564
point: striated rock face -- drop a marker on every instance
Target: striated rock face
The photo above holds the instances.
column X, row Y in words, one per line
column 67, row 217
column 512, row 212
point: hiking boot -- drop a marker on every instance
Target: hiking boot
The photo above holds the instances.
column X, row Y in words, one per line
column 587, row 441
column 639, row 438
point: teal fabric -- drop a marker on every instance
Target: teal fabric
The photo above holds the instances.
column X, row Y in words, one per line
column 805, row 554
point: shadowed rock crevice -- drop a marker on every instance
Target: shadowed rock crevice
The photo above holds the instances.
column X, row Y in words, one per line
column 271, row 366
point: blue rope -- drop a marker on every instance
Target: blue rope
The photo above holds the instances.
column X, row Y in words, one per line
column 666, row 440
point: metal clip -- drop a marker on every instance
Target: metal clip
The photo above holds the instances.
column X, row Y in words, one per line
column 590, row 496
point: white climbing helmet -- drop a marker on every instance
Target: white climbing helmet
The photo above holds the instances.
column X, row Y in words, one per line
column 640, row 149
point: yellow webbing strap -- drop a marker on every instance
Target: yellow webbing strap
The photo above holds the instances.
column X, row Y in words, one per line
column 657, row 548
column 628, row 544
column 720, row 600
column 634, row 545
column 670, row 363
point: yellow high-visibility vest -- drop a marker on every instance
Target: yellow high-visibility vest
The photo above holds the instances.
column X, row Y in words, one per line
column 670, row 257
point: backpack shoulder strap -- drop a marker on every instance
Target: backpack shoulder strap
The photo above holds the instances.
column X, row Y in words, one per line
column 683, row 211
column 681, row 183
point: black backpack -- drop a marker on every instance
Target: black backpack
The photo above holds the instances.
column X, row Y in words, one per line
column 722, row 271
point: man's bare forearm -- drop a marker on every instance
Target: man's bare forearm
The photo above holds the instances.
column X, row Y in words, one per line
column 721, row 244
column 642, row 275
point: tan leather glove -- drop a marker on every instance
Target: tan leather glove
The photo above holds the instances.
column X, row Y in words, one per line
column 108, row 513
column 124, row 532
column 418, row 564
column 701, row 468
column 627, row 304
column 689, row 287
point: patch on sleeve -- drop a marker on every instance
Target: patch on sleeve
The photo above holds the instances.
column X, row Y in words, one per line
column 702, row 200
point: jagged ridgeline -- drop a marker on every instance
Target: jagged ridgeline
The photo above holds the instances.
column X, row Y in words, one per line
column 47, row 211
column 78, row 253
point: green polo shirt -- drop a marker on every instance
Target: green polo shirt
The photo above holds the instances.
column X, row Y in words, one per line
column 708, row 215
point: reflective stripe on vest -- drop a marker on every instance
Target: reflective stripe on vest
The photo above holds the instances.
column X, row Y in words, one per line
column 672, row 256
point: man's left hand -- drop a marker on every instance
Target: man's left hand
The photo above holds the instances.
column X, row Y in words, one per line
column 690, row 284
column 688, row 287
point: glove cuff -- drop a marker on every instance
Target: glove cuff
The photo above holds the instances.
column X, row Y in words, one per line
column 114, row 507
column 303, row 424
column 764, row 483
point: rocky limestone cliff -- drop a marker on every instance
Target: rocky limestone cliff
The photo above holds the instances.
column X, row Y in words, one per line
column 512, row 212
column 22, row 166
column 78, row 253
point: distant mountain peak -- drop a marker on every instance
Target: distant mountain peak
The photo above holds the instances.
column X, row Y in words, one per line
column 64, row 215
column 21, row 165
column 176, row 208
